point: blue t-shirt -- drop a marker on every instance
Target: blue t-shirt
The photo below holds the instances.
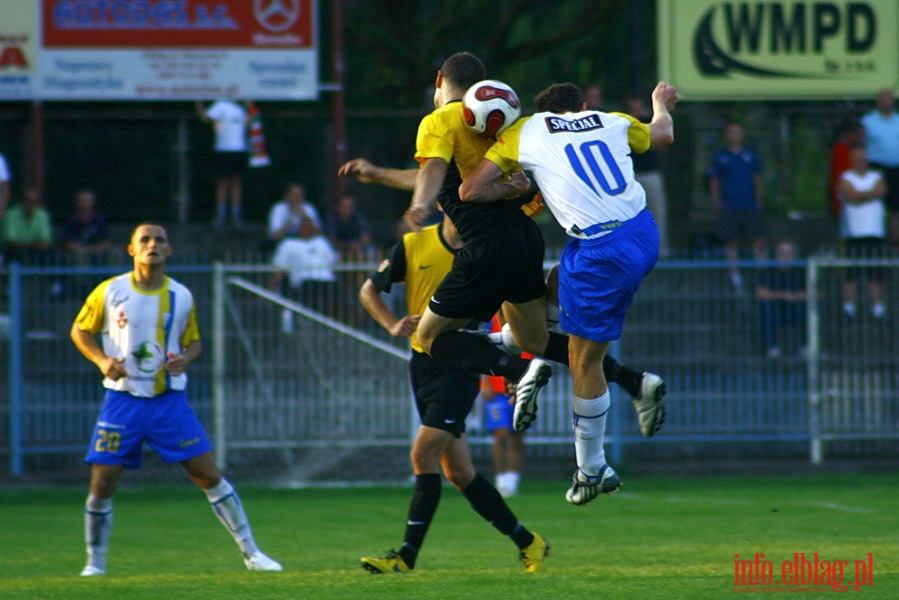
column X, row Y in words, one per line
column 882, row 138
column 736, row 174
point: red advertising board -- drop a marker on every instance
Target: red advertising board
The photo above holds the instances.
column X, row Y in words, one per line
column 130, row 24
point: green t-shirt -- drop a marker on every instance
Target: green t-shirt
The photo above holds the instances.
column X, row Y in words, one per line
column 18, row 228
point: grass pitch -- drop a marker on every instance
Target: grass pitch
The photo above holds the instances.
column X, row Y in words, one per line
column 659, row 538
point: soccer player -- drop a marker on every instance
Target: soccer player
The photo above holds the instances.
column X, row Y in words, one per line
column 581, row 162
column 444, row 395
column 148, row 325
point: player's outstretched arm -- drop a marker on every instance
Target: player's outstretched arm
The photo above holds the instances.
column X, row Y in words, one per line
column 487, row 183
column 664, row 99
column 367, row 172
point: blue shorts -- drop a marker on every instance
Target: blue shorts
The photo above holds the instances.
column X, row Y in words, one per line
column 498, row 413
column 598, row 278
column 166, row 422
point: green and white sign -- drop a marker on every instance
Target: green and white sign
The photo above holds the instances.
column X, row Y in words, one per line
column 725, row 50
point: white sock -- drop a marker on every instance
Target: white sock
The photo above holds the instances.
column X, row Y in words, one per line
column 504, row 341
column 512, row 479
column 552, row 315
column 227, row 507
column 589, row 423
column 97, row 529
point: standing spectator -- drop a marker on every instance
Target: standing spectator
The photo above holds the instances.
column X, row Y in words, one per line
column 852, row 135
column 736, row 188
column 882, row 143
column 862, row 190
column 147, row 322
column 4, row 187
column 593, row 97
column 28, row 233
column 649, row 175
column 348, row 230
column 85, row 235
column 230, row 121
column 781, row 299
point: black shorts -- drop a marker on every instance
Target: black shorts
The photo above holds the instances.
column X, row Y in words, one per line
column 891, row 179
column 506, row 267
column 230, row 163
column 866, row 248
column 443, row 395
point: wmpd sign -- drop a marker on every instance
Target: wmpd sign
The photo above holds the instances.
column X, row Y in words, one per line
column 726, row 50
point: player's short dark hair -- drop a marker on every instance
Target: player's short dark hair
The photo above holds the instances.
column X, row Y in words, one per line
column 559, row 98
column 463, row 69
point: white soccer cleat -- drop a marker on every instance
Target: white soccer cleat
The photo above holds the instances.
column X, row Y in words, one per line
column 535, row 377
column 585, row 488
column 650, row 404
column 258, row 561
column 92, row 571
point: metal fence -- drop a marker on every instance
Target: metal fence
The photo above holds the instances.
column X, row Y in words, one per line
column 307, row 386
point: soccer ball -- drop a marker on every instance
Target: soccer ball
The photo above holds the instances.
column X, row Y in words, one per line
column 489, row 107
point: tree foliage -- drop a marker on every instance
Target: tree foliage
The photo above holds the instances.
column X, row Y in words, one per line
column 394, row 49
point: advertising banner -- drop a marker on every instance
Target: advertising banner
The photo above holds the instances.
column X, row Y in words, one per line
column 161, row 49
column 790, row 49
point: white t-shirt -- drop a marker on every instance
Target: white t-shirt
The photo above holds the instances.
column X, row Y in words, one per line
column 230, row 126
column 281, row 214
column 868, row 218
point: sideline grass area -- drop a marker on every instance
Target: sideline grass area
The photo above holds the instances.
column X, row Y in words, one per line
column 660, row 538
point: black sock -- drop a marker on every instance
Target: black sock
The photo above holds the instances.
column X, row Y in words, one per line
column 421, row 510
column 487, row 502
column 557, row 348
column 615, row 372
column 474, row 353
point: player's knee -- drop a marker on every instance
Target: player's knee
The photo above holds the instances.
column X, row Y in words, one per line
column 460, row 477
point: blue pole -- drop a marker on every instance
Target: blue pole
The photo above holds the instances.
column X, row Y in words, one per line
column 15, row 370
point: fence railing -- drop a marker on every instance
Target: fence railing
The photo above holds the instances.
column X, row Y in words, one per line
column 309, row 377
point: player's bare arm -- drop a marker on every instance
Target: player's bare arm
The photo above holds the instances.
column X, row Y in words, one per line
column 366, row 172
column 177, row 363
column 371, row 300
column 664, row 99
column 88, row 346
column 487, row 183
column 428, row 184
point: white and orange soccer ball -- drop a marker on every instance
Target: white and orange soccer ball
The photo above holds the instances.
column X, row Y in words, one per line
column 489, row 107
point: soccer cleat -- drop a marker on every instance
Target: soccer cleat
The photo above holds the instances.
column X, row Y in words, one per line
column 260, row 562
column 536, row 376
column 92, row 571
column 650, row 404
column 532, row 555
column 392, row 562
column 584, row 488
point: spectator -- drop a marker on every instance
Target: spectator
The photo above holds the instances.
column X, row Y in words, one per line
column 862, row 190
column 301, row 249
column 882, row 144
column 85, row 235
column 348, row 230
column 649, row 174
column 852, row 135
column 593, row 97
column 28, row 233
column 4, row 186
column 230, row 121
column 781, row 299
column 735, row 185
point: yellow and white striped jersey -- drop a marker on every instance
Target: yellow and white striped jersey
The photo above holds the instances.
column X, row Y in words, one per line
column 141, row 327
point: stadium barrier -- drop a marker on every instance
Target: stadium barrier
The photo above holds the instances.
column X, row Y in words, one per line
column 303, row 386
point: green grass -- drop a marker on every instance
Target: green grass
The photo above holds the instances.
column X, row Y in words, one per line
column 660, row 538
